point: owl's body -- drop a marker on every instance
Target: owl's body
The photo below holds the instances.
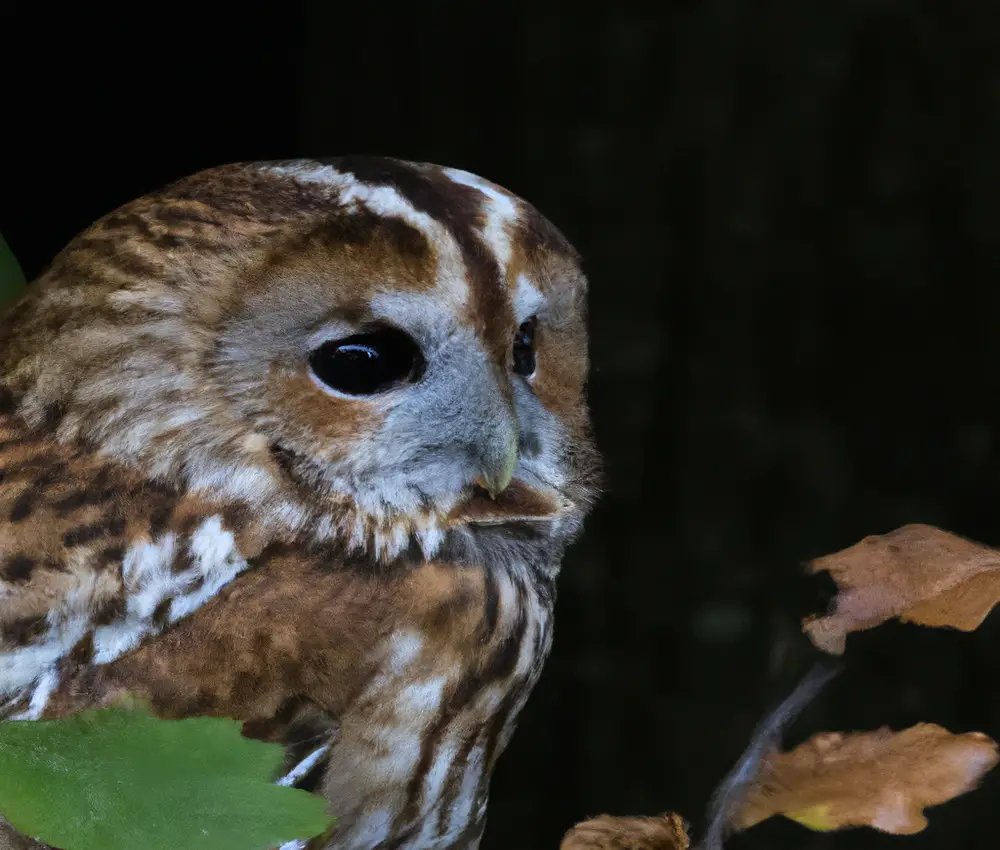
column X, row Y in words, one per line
column 266, row 453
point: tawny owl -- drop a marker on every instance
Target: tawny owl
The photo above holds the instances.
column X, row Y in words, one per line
column 301, row 443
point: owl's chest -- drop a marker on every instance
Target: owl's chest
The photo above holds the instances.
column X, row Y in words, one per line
column 422, row 672
column 418, row 746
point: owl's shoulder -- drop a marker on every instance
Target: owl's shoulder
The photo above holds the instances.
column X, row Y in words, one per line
column 94, row 558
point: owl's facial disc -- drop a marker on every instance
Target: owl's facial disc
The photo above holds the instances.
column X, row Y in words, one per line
column 397, row 404
column 385, row 359
column 451, row 422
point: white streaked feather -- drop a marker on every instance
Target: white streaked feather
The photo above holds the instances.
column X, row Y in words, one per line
column 304, row 766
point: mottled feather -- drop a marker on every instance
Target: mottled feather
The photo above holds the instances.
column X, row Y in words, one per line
column 188, row 514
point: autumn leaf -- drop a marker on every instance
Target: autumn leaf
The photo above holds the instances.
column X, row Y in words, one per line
column 917, row 573
column 666, row 832
column 835, row 780
column 882, row 779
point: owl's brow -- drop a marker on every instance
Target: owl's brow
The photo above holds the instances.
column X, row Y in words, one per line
column 461, row 209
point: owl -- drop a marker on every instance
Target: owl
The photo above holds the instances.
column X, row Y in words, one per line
column 301, row 443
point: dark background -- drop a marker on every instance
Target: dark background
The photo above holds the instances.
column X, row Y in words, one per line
column 790, row 213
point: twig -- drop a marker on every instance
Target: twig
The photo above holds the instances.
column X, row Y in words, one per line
column 766, row 738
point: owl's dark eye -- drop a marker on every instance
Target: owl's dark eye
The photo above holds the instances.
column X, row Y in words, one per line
column 368, row 363
column 524, row 349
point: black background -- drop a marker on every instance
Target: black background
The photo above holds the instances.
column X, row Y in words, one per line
column 790, row 213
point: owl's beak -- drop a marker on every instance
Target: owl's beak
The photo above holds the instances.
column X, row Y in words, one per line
column 501, row 498
column 499, row 457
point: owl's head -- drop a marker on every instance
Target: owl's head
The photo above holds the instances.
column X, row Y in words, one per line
column 360, row 350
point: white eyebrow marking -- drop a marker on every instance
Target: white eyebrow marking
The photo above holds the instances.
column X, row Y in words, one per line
column 385, row 200
column 501, row 212
column 324, row 175
column 303, row 767
column 528, row 299
column 381, row 199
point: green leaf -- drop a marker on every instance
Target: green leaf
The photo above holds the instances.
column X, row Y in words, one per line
column 12, row 281
column 114, row 779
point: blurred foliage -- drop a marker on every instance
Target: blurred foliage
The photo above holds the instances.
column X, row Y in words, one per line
column 117, row 779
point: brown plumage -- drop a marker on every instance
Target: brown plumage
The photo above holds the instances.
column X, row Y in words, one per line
column 301, row 444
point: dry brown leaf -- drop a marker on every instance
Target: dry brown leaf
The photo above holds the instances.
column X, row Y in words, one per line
column 918, row 573
column 882, row 779
column 666, row 832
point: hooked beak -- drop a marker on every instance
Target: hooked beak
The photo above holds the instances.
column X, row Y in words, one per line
column 498, row 457
column 501, row 499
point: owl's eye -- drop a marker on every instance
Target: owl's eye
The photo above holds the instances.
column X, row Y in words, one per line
column 368, row 363
column 524, row 349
